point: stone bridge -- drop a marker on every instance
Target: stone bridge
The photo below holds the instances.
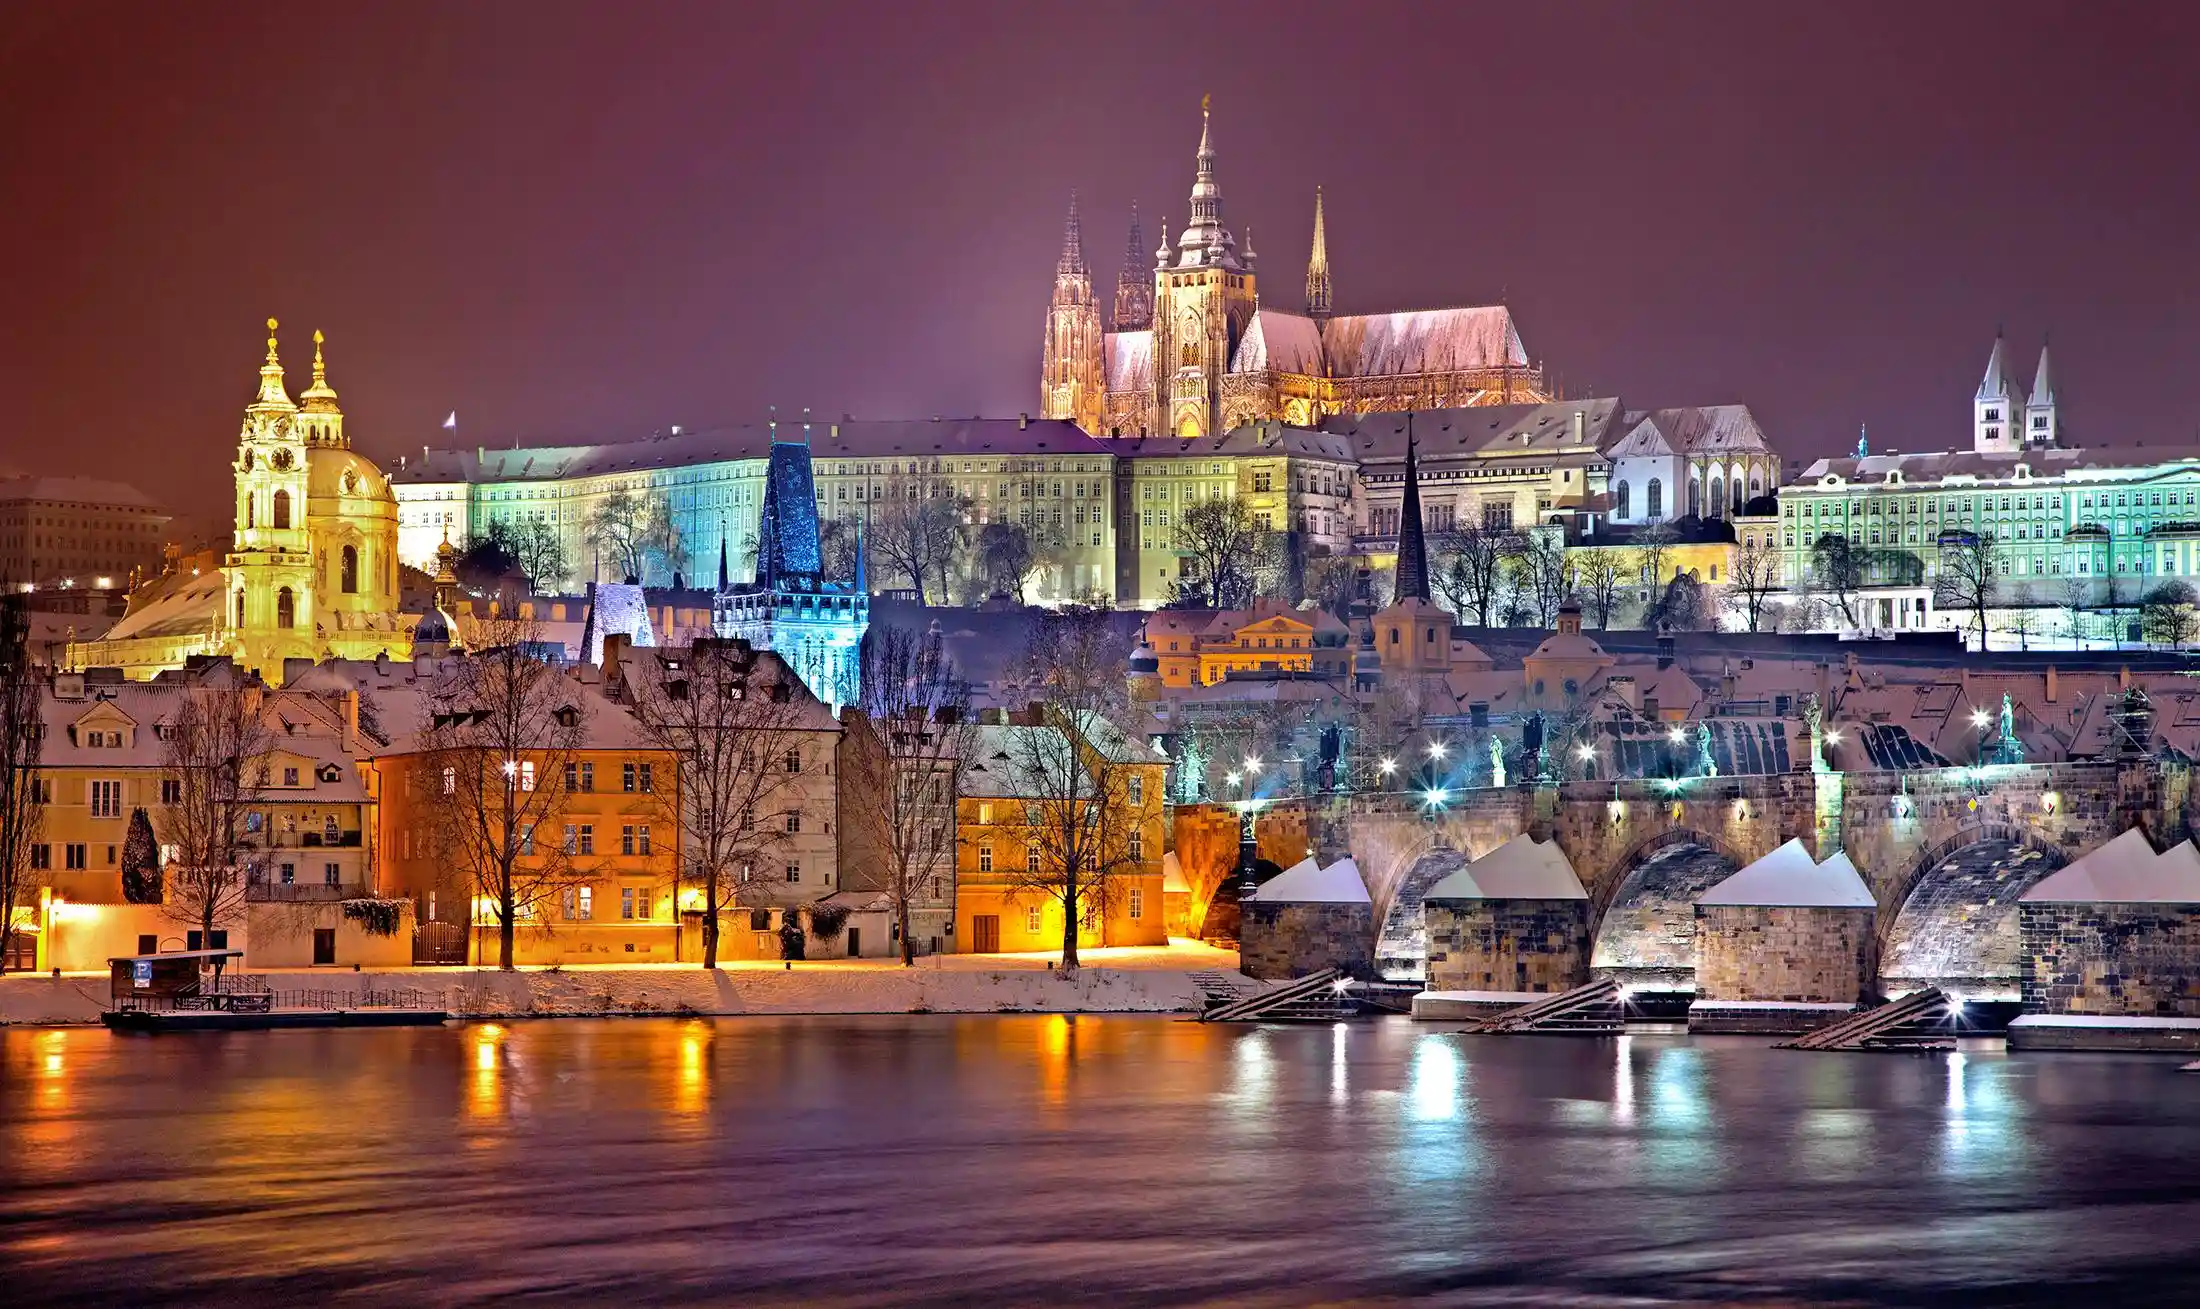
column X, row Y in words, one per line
column 1946, row 852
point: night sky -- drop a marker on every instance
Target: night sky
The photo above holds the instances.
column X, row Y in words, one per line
column 585, row 221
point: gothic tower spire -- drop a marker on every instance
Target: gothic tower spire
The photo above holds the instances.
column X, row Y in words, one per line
column 1317, row 268
column 1069, row 382
column 2040, row 425
column 1134, row 285
column 1206, row 241
column 1412, row 547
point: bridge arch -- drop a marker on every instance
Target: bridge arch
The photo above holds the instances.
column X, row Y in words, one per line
column 1642, row 920
column 1952, row 919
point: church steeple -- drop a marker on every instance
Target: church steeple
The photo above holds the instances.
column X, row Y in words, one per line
column 1206, row 241
column 1412, row 547
column 1994, row 416
column 1069, row 382
column 1317, row 268
column 324, row 419
column 2040, row 425
column 273, row 394
column 1134, row 285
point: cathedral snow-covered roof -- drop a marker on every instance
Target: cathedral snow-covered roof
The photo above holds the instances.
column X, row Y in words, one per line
column 1282, row 342
column 1422, row 341
column 1129, row 360
column 1696, row 429
column 1267, row 436
column 1545, row 430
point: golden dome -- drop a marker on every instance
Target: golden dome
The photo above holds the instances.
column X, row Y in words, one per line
column 319, row 398
column 334, row 472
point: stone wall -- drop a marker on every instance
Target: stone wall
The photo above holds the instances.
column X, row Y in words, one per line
column 1507, row 945
column 1782, row 953
column 2138, row 960
column 1293, row 940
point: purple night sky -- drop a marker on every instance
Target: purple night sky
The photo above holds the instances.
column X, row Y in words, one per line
column 586, row 221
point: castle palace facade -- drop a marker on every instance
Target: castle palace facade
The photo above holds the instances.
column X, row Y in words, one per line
column 1195, row 352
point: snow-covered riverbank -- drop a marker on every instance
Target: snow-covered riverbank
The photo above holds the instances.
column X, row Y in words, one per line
column 1147, row 982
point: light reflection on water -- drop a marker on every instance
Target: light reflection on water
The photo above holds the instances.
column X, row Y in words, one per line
column 1022, row 1158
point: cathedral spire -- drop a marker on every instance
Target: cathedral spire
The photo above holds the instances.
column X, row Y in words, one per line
column 1412, row 547
column 1134, row 285
column 1996, row 382
column 725, row 574
column 1072, row 262
column 2043, row 386
column 319, row 397
column 1317, row 268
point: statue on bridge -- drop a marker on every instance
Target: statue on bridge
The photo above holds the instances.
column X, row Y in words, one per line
column 1705, row 765
column 1497, row 761
column 2007, row 749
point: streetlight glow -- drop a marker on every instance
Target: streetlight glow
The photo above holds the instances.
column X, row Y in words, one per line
column 1232, row 778
column 1587, row 751
column 1978, row 718
column 1675, row 736
column 1387, row 766
column 1436, row 749
column 1833, row 737
column 1252, row 763
column 1435, row 797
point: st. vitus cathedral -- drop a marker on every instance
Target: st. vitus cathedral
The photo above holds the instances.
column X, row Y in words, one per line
column 1196, row 352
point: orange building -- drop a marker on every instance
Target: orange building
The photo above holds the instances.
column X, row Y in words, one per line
column 1200, row 647
column 1009, row 830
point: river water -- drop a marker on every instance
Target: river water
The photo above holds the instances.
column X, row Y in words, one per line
column 1030, row 1159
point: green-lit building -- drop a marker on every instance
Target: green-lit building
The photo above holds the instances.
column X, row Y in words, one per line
column 2069, row 523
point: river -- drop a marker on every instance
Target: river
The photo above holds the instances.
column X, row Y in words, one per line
column 1038, row 1159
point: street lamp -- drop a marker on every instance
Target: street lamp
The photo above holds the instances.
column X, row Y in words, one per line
column 1436, row 749
column 1387, row 766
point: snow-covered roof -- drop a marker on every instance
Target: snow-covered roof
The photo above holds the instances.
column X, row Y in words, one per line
column 1521, row 869
column 1789, row 877
column 1307, row 882
column 1282, row 341
column 2126, row 870
column 1422, row 341
column 1129, row 360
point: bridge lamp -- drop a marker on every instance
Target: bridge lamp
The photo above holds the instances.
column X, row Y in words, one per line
column 1233, row 777
column 2047, row 801
column 1672, row 784
column 1586, row 752
column 1252, row 763
column 1435, row 797
column 1675, row 736
column 1833, row 737
column 1436, row 749
column 1387, row 766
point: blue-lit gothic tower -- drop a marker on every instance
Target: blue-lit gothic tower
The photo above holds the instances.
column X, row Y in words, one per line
column 790, row 608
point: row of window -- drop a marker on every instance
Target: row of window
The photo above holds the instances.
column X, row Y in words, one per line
column 1134, row 846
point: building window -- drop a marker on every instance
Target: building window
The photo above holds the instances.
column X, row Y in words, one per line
column 73, row 854
column 985, row 858
column 1138, row 902
column 527, row 775
column 648, row 779
column 1031, row 919
column 289, row 874
column 572, row 839
column 350, row 570
column 794, row 820
column 41, row 856
column 626, row 902
column 626, row 839
column 1619, row 501
column 171, row 790
column 106, row 799
column 282, row 510
column 240, row 608
column 1653, row 499
column 588, row 838
column 626, row 778
column 450, row 780
column 332, row 875
column 1137, row 788
column 1137, row 845
column 1031, row 857
column 286, row 608
column 794, row 761
column 794, row 872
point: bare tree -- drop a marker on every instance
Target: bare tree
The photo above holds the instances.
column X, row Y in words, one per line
column 1837, row 575
column 1967, row 580
column 501, row 725
column 1653, row 561
column 1754, row 581
column 1469, row 577
column 907, row 750
column 2074, row 596
column 540, row 552
column 21, row 792
column 2170, row 614
column 214, row 748
column 1603, row 579
column 1074, row 769
column 728, row 715
column 633, row 532
column 1005, row 555
column 1541, row 576
column 1229, row 557
column 839, row 541
column 915, row 537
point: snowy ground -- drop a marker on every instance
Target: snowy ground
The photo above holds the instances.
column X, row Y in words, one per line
column 1127, row 979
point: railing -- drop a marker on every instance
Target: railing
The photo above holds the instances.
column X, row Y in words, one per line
column 264, row 1000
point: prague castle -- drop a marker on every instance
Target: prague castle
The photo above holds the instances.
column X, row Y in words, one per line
column 1195, row 352
column 312, row 572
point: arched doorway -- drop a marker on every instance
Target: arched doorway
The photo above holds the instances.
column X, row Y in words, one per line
column 1957, row 927
column 1647, row 934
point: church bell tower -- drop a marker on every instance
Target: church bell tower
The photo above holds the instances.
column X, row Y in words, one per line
column 1203, row 302
column 268, row 611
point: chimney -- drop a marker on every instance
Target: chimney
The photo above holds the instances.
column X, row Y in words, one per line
column 2053, row 686
column 1581, row 427
column 1626, row 689
column 351, row 717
